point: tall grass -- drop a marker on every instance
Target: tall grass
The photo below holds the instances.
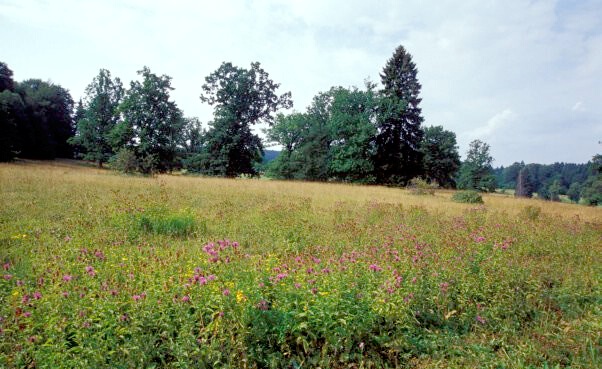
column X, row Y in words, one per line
column 106, row 270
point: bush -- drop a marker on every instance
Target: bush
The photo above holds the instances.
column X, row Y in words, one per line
column 419, row 186
column 468, row 197
column 124, row 161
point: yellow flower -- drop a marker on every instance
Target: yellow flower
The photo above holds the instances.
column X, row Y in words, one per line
column 240, row 296
column 15, row 293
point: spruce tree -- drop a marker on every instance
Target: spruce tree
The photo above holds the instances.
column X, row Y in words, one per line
column 398, row 158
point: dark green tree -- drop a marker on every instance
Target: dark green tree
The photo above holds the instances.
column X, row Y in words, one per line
column 441, row 159
column 476, row 172
column 398, row 158
column 48, row 123
column 152, row 124
column 241, row 98
column 11, row 115
column 98, row 118
column 6, row 78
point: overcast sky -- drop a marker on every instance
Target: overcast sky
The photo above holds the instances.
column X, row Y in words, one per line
column 523, row 76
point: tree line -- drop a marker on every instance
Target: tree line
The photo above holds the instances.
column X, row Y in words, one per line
column 579, row 182
column 362, row 135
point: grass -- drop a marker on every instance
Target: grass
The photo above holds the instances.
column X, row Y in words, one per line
column 106, row 270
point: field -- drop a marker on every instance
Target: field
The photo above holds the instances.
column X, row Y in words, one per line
column 108, row 271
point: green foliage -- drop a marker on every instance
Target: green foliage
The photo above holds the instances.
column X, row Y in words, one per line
column 352, row 113
column 242, row 98
column 125, row 161
column 476, row 172
column 46, row 123
column 98, row 117
column 152, row 124
column 12, row 116
column 398, row 158
column 468, row 197
column 441, row 159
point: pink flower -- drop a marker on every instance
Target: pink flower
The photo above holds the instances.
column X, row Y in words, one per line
column 6, row 266
column 136, row 297
column 211, row 277
column 226, row 292
column 185, row 298
column 479, row 239
column 375, row 268
column 65, row 294
column 114, row 292
column 27, row 314
column 480, row 319
column 67, row 278
column 263, row 305
column 8, row 277
column 37, row 295
column 297, row 285
column 123, row 318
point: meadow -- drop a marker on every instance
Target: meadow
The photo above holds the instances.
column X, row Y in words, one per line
column 101, row 270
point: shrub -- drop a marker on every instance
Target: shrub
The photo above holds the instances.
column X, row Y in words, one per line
column 419, row 186
column 124, row 161
column 468, row 197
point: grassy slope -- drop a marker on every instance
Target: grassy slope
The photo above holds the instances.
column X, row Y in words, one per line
column 538, row 298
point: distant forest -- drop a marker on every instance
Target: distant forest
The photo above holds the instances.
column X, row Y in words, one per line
column 364, row 135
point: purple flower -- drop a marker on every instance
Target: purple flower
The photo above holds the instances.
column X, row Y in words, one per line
column 27, row 314
column 37, row 295
column 8, row 277
column 185, row 298
column 136, row 297
column 226, row 292
column 67, row 277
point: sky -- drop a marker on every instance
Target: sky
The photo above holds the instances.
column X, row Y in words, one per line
column 523, row 76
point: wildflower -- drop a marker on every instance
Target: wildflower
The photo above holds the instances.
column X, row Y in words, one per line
column 20, row 282
column 281, row 276
column 226, row 292
column 65, row 294
column 443, row 286
column 6, row 266
column 8, row 277
column 37, row 295
column 297, row 285
column 136, row 297
column 114, row 292
column 479, row 239
column 185, row 298
column 27, row 314
column 263, row 305
column 480, row 319
column 90, row 270
column 67, row 277
column 211, row 277
column 375, row 268
column 240, row 296
column 86, row 324
column 25, row 299
column 123, row 318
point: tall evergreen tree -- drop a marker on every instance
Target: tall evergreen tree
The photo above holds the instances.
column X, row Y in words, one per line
column 398, row 157
column 98, row 117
